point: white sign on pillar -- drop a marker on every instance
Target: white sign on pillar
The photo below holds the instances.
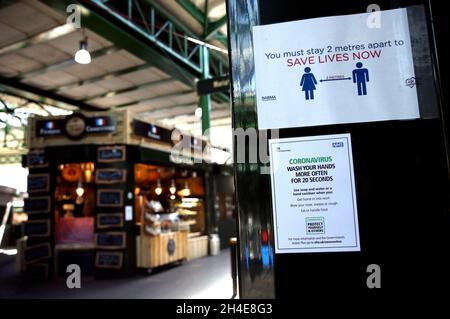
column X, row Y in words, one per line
column 335, row 70
column 313, row 194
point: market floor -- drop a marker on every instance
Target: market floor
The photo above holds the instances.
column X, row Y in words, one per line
column 208, row 278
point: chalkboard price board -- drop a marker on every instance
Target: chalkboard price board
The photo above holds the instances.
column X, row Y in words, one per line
column 37, row 228
column 36, row 253
column 37, row 159
column 111, row 220
column 35, row 205
column 109, row 198
column 110, row 176
column 110, row 154
column 111, row 240
column 38, row 183
column 112, row 260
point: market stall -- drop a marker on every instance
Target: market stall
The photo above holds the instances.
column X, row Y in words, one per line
column 114, row 194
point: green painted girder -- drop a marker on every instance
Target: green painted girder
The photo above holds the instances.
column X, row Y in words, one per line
column 66, row 63
column 148, row 85
column 180, row 26
column 150, row 37
column 213, row 27
column 123, row 39
column 195, row 12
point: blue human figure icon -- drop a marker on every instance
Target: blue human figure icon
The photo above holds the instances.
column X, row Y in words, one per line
column 361, row 77
column 308, row 84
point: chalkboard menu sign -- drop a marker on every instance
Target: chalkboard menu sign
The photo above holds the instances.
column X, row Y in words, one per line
column 110, row 240
column 108, row 154
column 38, row 183
column 37, row 228
column 110, row 220
column 36, row 205
column 110, row 176
column 111, row 260
column 36, row 253
column 37, row 159
column 109, row 197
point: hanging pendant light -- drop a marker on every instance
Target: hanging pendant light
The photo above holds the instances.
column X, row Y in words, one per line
column 80, row 189
column 173, row 187
column 82, row 56
column 158, row 189
column 185, row 191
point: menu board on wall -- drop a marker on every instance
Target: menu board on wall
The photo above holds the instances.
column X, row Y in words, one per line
column 108, row 154
column 38, row 183
column 37, row 253
column 109, row 198
column 37, row 205
column 112, row 260
column 110, row 176
column 109, row 220
column 110, row 240
column 37, row 228
column 37, row 159
column 313, row 193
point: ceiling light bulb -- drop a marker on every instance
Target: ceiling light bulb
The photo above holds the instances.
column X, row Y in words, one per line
column 83, row 56
column 172, row 197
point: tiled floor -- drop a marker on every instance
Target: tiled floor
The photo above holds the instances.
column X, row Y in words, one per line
column 208, row 277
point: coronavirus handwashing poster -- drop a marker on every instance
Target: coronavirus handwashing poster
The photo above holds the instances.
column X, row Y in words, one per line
column 313, row 194
column 335, row 70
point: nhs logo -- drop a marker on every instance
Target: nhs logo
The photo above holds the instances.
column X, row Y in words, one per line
column 338, row 144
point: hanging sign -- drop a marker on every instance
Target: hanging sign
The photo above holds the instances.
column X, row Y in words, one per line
column 217, row 84
column 151, row 131
column 313, row 192
column 334, row 70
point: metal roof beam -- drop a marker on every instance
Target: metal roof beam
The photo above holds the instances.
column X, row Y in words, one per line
column 103, row 77
column 66, row 63
column 176, row 110
column 45, row 36
column 135, row 104
column 148, row 85
column 20, row 89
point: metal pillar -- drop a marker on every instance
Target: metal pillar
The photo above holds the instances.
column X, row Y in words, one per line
column 205, row 100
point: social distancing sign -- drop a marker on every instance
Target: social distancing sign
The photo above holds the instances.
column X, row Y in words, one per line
column 335, row 70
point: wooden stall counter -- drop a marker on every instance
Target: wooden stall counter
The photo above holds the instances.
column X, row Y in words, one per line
column 165, row 248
